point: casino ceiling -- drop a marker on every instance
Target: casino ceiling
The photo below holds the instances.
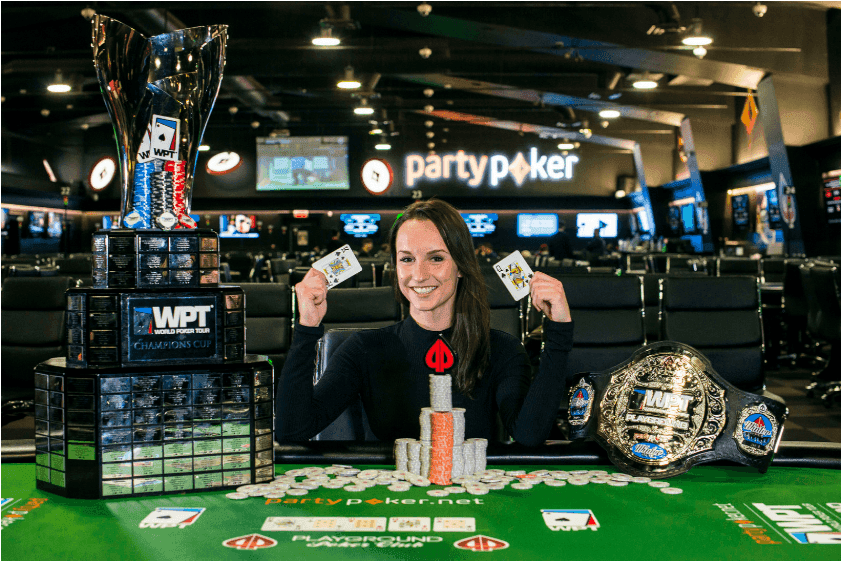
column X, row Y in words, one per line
column 541, row 68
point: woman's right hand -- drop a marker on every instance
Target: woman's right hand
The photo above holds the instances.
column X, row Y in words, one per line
column 311, row 295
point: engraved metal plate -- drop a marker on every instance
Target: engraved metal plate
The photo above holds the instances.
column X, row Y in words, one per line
column 662, row 409
column 756, row 430
column 579, row 409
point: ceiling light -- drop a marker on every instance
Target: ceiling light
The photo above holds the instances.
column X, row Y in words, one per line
column 425, row 52
column 428, row 109
column 700, row 51
column 645, row 84
column 203, row 148
column 348, row 82
column 363, row 108
column 565, row 145
column 326, row 38
column 424, row 9
column 428, row 123
column 376, row 131
column 620, row 194
column 383, row 144
column 59, row 85
column 256, row 124
column 609, row 113
column 430, row 134
column 695, row 35
column 431, row 145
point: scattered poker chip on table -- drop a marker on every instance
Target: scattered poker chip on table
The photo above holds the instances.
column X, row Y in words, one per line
column 301, row 481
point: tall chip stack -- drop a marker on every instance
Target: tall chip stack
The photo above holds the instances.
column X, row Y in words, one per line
column 442, row 452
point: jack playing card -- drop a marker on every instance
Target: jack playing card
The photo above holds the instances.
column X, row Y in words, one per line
column 338, row 266
column 515, row 274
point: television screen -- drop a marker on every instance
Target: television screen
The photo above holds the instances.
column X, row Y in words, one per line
column 587, row 223
column 673, row 220
column 110, row 221
column 740, row 210
column 774, row 215
column 831, row 196
column 297, row 163
column 530, row 225
column 480, row 224
column 238, row 226
column 360, row 225
column 54, row 225
column 689, row 222
column 37, row 223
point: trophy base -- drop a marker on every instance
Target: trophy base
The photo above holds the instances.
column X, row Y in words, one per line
column 146, row 258
column 126, row 327
column 103, row 433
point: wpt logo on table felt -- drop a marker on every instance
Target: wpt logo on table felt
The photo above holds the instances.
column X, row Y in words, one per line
column 570, row 519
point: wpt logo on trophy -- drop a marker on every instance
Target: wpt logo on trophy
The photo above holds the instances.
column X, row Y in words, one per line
column 175, row 328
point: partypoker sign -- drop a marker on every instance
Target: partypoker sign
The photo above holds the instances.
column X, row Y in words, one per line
column 488, row 169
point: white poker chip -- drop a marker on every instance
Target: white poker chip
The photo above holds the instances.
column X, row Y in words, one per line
column 368, row 474
column 341, row 466
column 402, row 487
column 296, row 472
column 671, row 491
column 417, row 480
column 560, row 474
column 297, row 492
column 275, row 495
column 455, row 490
column 333, row 485
column 598, row 473
column 307, row 486
column 349, row 472
column 659, row 484
column 539, row 473
column 598, row 480
column 477, row 491
column 622, row 476
column 521, row 486
column 555, row 483
column 438, row 493
column 515, row 473
column 256, row 493
column 237, row 496
column 355, row 488
column 315, row 469
column 579, row 472
column 400, row 474
column 577, row 481
column 493, row 486
column 641, row 479
column 617, row 483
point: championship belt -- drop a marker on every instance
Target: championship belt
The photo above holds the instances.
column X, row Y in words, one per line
column 665, row 409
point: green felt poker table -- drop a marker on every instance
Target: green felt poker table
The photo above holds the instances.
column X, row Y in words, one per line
column 724, row 512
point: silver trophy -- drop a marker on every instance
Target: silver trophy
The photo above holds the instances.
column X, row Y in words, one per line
column 159, row 92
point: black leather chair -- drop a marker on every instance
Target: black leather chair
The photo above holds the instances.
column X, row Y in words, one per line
column 822, row 290
column 738, row 266
column 683, row 264
column 74, row 266
column 352, row 424
column 652, row 305
column 506, row 314
column 772, row 270
column 608, row 315
column 799, row 344
column 269, row 321
column 721, row 318
column 33, row 330
column 366, row 307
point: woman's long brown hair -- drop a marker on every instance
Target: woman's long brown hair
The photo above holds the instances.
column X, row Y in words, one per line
column 470, row 336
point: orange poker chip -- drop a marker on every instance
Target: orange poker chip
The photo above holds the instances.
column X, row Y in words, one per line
column 441, row 448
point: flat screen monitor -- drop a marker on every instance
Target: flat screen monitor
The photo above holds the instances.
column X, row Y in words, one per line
column 740, row 210
column 673, row 220
column 37, row 223
column 689, row 221
column 300, row 163
column 531, row 225
column 54, row 225
column 480, row 224
column 238, row 226
column 774, row 214
column 587, row 223
column 360, row 225
column 831, row 196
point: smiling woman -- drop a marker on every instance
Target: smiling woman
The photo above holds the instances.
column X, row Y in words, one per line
column 439, row 278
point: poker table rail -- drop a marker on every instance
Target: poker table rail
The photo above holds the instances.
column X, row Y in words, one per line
column 802, row 454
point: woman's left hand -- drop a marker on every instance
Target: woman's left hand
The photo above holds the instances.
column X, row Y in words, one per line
column 548, row 296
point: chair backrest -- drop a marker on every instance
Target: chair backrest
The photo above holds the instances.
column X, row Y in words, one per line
column 352, row 424
column 80, row 265
column 608, row 315
column 505, row 313
column 795, row 303
column 821, row 282
column 636, row 263
column 240, row 265
column 33, row 329
column 772, row 270
column 738, row 266
column 687, row 264
column 269, row 321
column 721, row 318
column 364, row 307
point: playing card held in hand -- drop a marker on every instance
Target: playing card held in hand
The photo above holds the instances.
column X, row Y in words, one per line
column 339, row 265
column 515, row 275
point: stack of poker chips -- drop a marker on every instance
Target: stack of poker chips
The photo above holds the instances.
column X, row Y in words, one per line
column 159, row 199
column 442, row 452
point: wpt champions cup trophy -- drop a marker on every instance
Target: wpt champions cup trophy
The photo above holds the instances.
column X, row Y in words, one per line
column 156, row 393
